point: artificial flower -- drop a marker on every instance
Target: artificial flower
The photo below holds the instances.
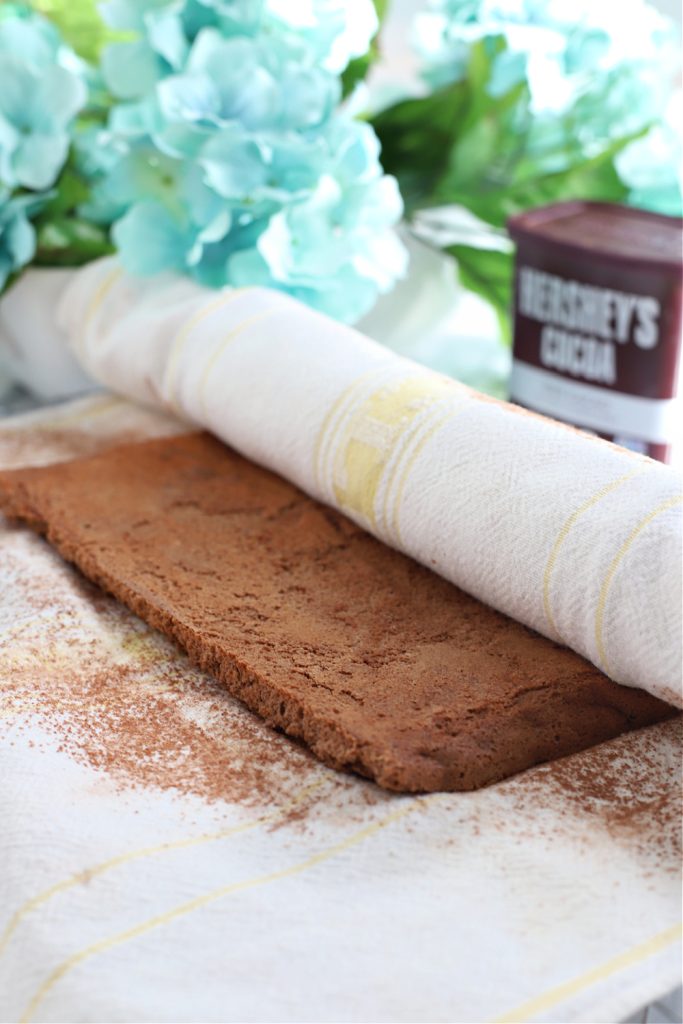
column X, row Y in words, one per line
column 588, row 74
column 334, row 250
column 563, row 48
column 236, row 163
column 17, row 234
column 41, row 91
column 329, row 32
column 650, row 165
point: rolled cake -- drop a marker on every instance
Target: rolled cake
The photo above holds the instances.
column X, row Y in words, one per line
column 378, row 664
column 574, row 537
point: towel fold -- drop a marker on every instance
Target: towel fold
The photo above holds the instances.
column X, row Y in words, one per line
column 574, row 537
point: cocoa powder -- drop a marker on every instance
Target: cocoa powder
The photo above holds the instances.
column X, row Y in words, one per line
column 79, row 428
column 42, row 446
column 630, row 787
column 107, row 690
column 118, row 697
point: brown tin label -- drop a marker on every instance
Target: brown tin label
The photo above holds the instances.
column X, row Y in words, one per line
column 598, row 353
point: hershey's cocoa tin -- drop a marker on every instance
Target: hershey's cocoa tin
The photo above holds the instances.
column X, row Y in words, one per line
column 597, row 331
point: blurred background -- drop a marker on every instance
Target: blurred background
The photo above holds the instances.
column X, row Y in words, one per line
column 482, row 109
column 437, row 319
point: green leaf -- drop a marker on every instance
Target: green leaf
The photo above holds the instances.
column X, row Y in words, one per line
column 416, row 136
column 63, row 237
column 596, row 178
column 462, row 145
column 69, row 193
column 488, row 273
column 456, row 140
column 479, row 71
column 70, row 242
column 357, row 69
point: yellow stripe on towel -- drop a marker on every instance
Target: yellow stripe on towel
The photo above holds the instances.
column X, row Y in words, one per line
column 567, row 527
column 199, row 902
column 220, row 349
column 171, row 372
column 560, row 993
column 611, row 572
column 146, row 851
column 99, row 295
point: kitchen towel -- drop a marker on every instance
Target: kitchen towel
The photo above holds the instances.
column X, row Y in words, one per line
column 165, row 856
column 574, row 537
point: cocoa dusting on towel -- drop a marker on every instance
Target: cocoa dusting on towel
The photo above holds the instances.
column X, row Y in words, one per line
column 118, row 697
column 79, row 429
column 378, row 664
column 41, row 446
column 632, row 789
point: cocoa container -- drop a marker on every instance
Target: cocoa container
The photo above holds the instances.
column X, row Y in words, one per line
column 597, row 321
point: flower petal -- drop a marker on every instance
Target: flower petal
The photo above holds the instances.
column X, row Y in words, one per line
column 189, row 97
column 149, row 240
column 130, row 69
column 20, row 241
column 34, row 39
column 38, row 159
column 57, row 100
column 17, row 85
column 234, row 165
column 166, row 36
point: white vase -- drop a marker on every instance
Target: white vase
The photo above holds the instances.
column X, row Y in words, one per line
column 432, row 319
column 33, row 351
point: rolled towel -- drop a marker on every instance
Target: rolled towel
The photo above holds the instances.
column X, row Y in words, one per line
column 570, row 535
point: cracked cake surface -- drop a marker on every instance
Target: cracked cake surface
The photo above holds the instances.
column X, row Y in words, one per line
column 376, row 663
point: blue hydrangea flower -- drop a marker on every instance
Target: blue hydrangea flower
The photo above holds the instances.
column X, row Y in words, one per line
column 330, row 32
column 235, row 162
column 595, row 70
column 17, row 235
column 334, row 250
column 563, row 48
column 650, row 165
column 165, row 215
column 41, row 91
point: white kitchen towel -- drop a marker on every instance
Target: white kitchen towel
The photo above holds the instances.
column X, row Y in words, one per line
column 572, row 536
column 165, row 856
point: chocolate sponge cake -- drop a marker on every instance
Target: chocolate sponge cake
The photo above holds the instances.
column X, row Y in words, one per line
column 380, row 666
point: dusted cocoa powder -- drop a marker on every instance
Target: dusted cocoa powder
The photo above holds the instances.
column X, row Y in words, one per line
column 377, row 664
column 120, row 698
column 631, row 788
column 79, row 428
